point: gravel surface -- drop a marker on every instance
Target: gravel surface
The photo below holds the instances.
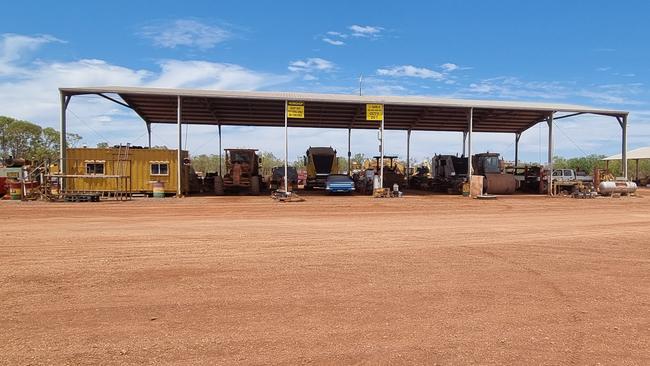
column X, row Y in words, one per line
column 332, row 280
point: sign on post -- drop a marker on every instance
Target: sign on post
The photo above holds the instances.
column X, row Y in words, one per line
column 374, row 112
column 296, row 109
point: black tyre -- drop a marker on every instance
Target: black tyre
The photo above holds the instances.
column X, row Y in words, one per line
column 255, row 185
column 218, row 186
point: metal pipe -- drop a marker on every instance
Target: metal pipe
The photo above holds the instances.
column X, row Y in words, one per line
column 220, row 152
column 470, row 122
column 149, row 133
column 286, row 146
column 517, row 137
column 550, row 154
column 179, row 163
column 349, row 152
column 624, row 146
column 381, row 149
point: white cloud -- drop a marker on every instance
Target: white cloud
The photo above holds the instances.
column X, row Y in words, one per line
column 449, row 67
column 364, row 31
column 334, row 42
column 13, row 47
column 185, row 32
column 507, row 87
column 336, row 38
column 311, row 65
column 411, row 71
column 337, row 34
column 31, row 93
column 211, row 75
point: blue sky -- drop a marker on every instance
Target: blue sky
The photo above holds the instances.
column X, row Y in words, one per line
column 554, row 51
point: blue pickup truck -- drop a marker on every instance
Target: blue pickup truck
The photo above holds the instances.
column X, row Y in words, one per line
column 339, row 183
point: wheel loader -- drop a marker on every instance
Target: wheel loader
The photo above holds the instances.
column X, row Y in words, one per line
column 242, row 173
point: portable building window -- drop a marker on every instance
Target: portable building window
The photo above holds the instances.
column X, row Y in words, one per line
column 95, row 167
column 159, row 168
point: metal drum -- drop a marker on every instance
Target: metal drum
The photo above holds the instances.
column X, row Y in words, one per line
column 15, row 190
column 159, row 190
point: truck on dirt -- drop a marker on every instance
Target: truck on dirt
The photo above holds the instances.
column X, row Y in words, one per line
column 568, row 175
column 242, row 173
column 320, row 162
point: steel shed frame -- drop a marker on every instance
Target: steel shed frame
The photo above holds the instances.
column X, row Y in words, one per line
column 269, row 109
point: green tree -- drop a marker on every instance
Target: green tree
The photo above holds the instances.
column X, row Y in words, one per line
column 23, row 139
column 206, row 163
column 102, row 145
column 343, row 164
column 299, row 163
column 358, row 159
column 268, row 162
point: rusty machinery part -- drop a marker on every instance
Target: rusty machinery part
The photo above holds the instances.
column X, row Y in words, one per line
column 283, row 196
column 381, row 193
column 219, row 188
column 500, row 183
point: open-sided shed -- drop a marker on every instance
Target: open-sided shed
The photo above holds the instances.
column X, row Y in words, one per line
column 272, row 109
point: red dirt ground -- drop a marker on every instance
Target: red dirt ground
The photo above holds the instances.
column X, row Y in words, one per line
column 332, row 280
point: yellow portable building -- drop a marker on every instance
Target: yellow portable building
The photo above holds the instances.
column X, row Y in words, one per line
column 100, row 169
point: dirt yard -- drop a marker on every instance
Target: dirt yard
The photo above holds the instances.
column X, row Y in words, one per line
column 332, row 280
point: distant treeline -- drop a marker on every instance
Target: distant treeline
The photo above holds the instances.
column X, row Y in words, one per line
column 27, row 140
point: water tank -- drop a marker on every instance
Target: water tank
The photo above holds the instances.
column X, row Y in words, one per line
column 621, row 187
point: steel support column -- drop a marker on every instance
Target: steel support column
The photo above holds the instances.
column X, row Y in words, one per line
column 179, row 162
column 63, row 143
column 623, row 122
column 549, row 121
column 464, row 143
column 517, row 137
column 149, row 133
column 220, row 151
column 381, row 148
column 286, row 146
column 349, row 152
column 407, row 173
column 470, row 127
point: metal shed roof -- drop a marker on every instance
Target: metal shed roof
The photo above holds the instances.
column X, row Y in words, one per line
column 640, row 153
column 211, row 107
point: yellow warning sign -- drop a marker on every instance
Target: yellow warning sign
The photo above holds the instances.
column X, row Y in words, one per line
column 374, row 112
column 296, row 109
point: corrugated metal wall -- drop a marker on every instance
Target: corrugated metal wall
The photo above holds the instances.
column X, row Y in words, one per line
column 138, row 166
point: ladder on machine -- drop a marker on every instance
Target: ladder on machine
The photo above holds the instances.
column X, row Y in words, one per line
column 122, row 181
